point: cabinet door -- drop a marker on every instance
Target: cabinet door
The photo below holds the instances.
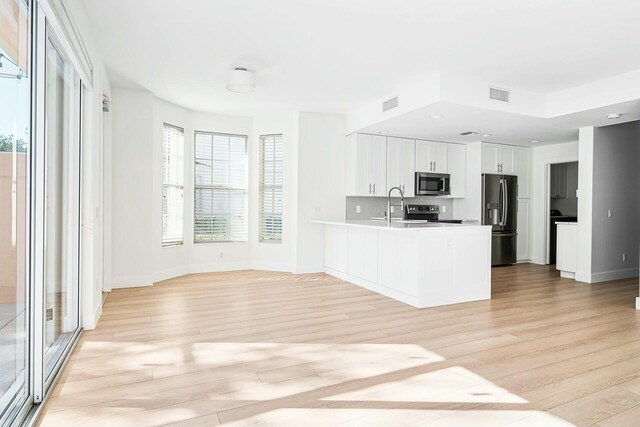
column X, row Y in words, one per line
column 357, row 165
column 506, row 156
column 409, row 168
column 457, row 162
column 523, row 171
column 438, row 154
column 362, row 253
column 377, row 153
column 524, row 239
column 422, row 157
column 489, row 158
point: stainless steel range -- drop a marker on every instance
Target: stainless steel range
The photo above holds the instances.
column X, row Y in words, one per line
column 429, row 213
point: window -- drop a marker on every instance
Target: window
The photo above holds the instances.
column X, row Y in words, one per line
column 271, row 188
column 220, row 193
column 172, row 185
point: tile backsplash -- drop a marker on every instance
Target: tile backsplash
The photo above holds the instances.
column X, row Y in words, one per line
column 376, row 206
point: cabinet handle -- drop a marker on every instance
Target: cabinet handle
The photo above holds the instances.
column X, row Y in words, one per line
column 434, row 166
column 374, row 188
column 430, row 166
column 369, row 188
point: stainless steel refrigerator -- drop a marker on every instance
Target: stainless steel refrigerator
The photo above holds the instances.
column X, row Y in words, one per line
column 500, row 210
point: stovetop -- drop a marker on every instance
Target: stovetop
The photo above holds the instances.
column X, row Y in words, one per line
column 427, row 212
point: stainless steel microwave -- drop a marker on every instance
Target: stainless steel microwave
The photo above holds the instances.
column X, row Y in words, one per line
column 433, row 184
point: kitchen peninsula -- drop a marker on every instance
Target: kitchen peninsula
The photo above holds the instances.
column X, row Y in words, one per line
column 421, row 264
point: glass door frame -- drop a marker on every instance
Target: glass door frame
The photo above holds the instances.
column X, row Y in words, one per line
column 41, row 382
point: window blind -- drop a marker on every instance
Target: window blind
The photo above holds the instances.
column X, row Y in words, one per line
column 172, row 185
column 220, row 198
column 271, row 170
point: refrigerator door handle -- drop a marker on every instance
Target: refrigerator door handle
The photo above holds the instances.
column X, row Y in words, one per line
column 501, row 204
column 505, row 206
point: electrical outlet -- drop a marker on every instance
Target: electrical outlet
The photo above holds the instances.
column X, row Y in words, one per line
column 609, row 213
column 221, row 255
column 443, row 209
column 393, row 208
column 624, row 257
column 358, row 209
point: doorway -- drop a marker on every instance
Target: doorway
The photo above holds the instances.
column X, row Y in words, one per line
column 562, row 202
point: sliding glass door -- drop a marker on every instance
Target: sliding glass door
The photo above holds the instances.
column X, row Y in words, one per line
column 62, row 202
column 40, row 140
column 15, row 114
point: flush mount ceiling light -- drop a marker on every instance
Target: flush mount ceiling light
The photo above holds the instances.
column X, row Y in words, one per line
column 534, row 141
column 436, row 116
column 241, row 80
column 614, row 116
column 486, row 135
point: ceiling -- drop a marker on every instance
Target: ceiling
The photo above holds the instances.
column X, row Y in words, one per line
column 503, row 127
column 333, row 55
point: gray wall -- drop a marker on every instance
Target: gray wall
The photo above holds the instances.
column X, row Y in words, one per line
column 376, row 206
column 568, row 205
column 615, row 187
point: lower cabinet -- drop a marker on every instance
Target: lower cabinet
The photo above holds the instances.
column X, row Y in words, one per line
column 399, row 266
column 362, row 253
column 524, row 224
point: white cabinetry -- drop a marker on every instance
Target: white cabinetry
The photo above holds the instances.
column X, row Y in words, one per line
column 457, row 163
column 498, row 158
column 524, row 238
column 366, row 165
column 400, row 261
column 431, row 157
column 400, row 165
column 523, row 171
column 362, row 253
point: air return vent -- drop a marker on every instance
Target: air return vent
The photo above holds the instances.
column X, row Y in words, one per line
column 498, row 94
column 389, row 104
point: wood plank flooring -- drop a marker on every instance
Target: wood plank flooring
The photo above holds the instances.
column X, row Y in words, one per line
column 275, row 349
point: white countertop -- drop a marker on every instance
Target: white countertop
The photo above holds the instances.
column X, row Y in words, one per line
column 566, row 223
column 401, row 225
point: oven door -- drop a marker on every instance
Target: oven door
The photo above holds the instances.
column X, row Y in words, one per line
column 432, row 184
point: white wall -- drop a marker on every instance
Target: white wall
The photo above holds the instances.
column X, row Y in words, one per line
column 132, row 187
column 95, row 128
column 275, row 256
column 542, row 157
column 585, row 203
column 615, row 166
column 321, row 183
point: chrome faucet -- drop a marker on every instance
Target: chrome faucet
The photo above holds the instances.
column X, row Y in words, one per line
column 401, row 205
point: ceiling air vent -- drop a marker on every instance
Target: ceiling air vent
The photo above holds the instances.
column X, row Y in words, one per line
column 467, row 133
column 389, row 104
column 498, row 94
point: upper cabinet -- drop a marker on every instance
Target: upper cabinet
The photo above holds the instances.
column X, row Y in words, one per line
column 431, row 157
column 523, row 171
column 498, row 158
column 509, row 160
column 400, row 165
column 375, row 164
column 366, row 159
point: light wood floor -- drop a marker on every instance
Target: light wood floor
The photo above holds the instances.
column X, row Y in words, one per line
column 263, row 348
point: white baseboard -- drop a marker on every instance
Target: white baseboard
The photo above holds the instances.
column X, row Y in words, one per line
column 637, row 303
column 90, row 321
column 307, row 269
column 131, row 282
column 273, row 266
column 606, row 276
